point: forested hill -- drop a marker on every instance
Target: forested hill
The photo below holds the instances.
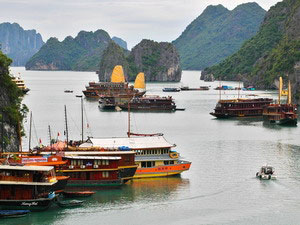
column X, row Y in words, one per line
column 81, row 53
column 216, row 34
column 273, row 52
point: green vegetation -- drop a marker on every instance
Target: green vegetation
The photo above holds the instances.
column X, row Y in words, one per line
column 216, row 34
column 273, row 52
column 81, row 53
column 11, row 109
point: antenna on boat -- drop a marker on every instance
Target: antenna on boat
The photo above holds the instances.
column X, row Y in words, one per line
column 67, row 133
column 49, row 131
column 80, row 96
column 30, row 127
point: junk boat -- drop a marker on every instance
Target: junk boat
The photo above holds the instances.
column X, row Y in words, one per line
column 266, row 173
column 240, row 107
column 153, row 154
column 281, row 114
column 171, row 89
column 201, row 88
column 149, row 103
column 26, row 187
column 117, row 86
column 20, row 83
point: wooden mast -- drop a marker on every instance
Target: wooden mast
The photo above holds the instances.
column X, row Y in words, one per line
column 67, row 132
column 289, row 93
column 81, row 119
column 2, row 130
column 30, row 127
column 128, row 133
column 280, row 89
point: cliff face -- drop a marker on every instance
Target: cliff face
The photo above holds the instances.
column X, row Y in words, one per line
column 113, row 55
column 159, row 61
column 273, row 52
column 82, row 53
column 19, row 44
column 10, row 108
column 120, row 42
column 216, row 34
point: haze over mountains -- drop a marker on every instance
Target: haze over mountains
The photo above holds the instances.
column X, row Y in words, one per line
column 19, row 44
column 217, row 33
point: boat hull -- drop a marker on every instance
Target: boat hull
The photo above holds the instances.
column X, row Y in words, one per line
column 162, row 171
column 95, row 183
column 40, row 204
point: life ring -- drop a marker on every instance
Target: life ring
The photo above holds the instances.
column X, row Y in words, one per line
column 174, row 155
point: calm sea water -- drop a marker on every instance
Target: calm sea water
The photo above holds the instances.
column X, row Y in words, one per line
column 220, row 187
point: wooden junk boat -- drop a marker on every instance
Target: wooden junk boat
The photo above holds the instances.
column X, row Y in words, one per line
column 153, row 154
column 282, row 114
column 26, row 187
column 87, row 167
column 240, row 107
column 149, row 103
column 117, row 86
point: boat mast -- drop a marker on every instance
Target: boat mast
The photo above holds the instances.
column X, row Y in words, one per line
column 81, row 119
column 290, row 93
column 30, row 127
column 219, row 89
column 2, row 130
column 67, row 133
column 49, row 131
column 20, row 137
column 239, row 89
column 128, row 133
column 280, row 89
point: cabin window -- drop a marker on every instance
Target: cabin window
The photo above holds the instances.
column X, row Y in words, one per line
column 144, row 164
column 171, row 162
column 105, row 174
column 166, row 162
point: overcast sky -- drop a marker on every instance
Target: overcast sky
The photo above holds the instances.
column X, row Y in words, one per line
column 132, row 20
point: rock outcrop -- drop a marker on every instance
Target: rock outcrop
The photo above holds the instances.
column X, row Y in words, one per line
column 120, row 42
column 10, row 108
column 273, row 52
column 19, row 44
column 82, row 53
column 159, row 61
column 216, row 34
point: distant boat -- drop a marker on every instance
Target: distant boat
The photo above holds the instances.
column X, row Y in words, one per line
column 281, row 114
column 201, row 88
column 266, row 173
column 68, row 91
column 20, row 84
column 171, row 89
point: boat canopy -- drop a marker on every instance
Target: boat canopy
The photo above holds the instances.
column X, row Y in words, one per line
column 140, row 81
column 117, row 75
column 132, row 142
column 28, row 168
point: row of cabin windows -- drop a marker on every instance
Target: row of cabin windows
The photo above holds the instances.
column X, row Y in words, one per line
column 105, row 174
column 14, row 174
column 152, row 152
column 84, row 162
column 149, row 164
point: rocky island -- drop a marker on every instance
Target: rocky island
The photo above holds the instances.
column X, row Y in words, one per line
column 272, row 53
column 19, row 44
column 216, row 34
column 159, row 61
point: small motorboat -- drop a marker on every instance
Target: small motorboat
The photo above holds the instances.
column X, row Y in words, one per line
column 266, row 173
column 70, row 203
column 77, row 194
column 68, row 91
column 13, row 213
